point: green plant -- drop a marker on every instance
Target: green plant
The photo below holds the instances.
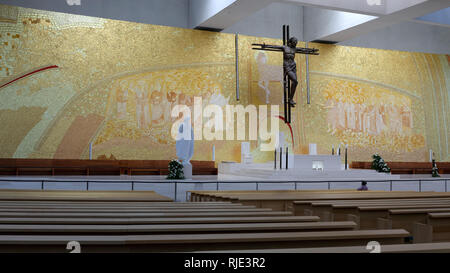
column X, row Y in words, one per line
column 379, row 165
column 435, row 170
column 175, row 170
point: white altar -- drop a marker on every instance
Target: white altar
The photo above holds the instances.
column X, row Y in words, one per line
column 300, row 167
column 314, row 167
column 317, row 162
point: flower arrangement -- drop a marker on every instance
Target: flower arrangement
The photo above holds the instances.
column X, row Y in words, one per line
column 435, row 170
column 175, row 170
column 379, row 165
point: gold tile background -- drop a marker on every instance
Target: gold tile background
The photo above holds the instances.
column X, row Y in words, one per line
column 100, row 60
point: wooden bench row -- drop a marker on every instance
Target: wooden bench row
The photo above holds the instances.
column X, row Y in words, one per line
column 198, row 242
column 283, row 201
column 406, row 167
column 414, row 212
column 148, row 229
column 426, row 225
column 214, row 196
column 401, row 248
column 366, row 212
column 92, row 196
column 225, row 219
column 43, row 225
column 428, row 220
column 15, row 166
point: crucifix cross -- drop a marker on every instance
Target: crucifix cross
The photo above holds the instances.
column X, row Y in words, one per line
column 289, row 49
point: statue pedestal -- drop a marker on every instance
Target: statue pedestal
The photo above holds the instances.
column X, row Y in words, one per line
column 187, row 169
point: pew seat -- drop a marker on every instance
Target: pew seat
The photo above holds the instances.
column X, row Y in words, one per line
column 401, row 248
column 198, row 242
column 155, row 220
column 33, row 229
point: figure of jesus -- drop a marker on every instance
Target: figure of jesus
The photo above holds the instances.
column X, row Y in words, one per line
column 289, row 49
column 289, row 65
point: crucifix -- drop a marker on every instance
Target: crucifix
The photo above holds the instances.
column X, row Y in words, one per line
column 289, row 49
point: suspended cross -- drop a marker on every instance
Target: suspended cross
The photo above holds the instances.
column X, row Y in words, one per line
column 289, row 49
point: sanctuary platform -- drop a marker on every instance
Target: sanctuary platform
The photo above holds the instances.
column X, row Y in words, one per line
column 317, row 167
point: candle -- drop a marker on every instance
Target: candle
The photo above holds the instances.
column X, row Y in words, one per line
column 287, row 157
column 346, row 148
column 90, row 151
column 214, row 153
column 275, row 161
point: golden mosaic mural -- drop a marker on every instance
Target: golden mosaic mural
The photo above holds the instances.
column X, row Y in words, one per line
column 67, row 81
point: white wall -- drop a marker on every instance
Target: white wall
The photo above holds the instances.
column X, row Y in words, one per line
column 439, row 17
column 320, row 23
column 268, row 22
column 158, row 12
column 406, row 36
column 201, row 10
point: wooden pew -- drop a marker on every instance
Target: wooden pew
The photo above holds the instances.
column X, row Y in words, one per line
column 439, row 222
column 339, row 209
column 119, row 207
column 407, row 167
column 117, row 204
column 315, row 207
column 402, row 248
column 305, row 203
column 198, row 242
column 367, row 210
column 31, row 229
column 132, row 210
column 143, row 215
column 156, row 220
column 18, row 166
column 405, row 218
column 42, row 223
column 205, row 196
column 368, row 215
column 93, row 196
column 285, row 201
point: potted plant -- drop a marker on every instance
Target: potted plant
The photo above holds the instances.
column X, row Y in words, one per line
column 435, row 170
column 175, row 170
column 379, row 164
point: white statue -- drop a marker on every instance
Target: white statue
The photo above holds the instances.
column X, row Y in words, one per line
column 185, row 146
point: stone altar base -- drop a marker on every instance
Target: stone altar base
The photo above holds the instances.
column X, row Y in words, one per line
column 315, row 167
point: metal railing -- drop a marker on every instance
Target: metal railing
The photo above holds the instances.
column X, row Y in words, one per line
column 296, row 185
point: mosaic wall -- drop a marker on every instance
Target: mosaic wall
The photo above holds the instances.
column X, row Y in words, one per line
column 67, row 81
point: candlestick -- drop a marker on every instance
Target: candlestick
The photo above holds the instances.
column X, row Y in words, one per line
column 275, row 159
column 346, row 148
column 287, row 157
column 281, row 158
